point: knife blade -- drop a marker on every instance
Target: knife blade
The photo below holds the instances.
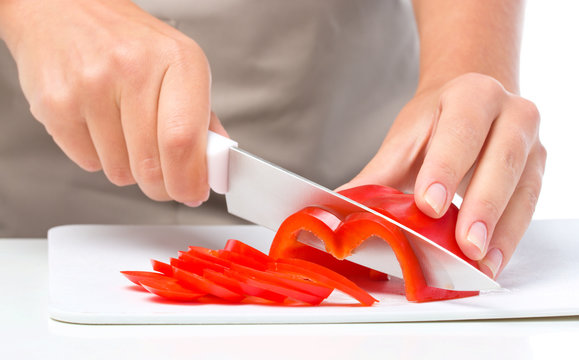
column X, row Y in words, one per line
column 266, row 194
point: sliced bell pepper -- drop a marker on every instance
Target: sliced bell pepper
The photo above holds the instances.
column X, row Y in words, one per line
column 196, row 264
column 253, row 289
column 162, row 267
column 223, row 280
column 323, row 275
column 137, row 276
column 170, row 289
column 292, row 289
column 237, row 258
column 302, row 283
column 241, row 248
column 199, row 283
column 342, row 232
column 242, row 274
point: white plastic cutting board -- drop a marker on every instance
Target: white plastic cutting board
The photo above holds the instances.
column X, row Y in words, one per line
column 541, row 280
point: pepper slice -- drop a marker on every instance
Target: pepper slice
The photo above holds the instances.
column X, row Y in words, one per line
column 162, row 267
column 241, row 248
column 253, row 289
column 287, row 286
column 137, row 276
column 170, row 289
column 199, row 283
column 267, row 281
column 323, row 275
column 237, row 258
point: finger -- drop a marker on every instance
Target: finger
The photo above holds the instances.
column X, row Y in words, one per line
column 75, row 141
column 517, row 215
column 139, row 121
column 104, row 125
column 462, row 127
column 183, row 120
column 63, row 121
column 496, row 176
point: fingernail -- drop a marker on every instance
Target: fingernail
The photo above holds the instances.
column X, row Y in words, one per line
column 493, row 261
column 435, row 196
column 193, row 203
column 477, row 235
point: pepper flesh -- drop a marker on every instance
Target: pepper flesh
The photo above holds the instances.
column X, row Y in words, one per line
column 342, row 232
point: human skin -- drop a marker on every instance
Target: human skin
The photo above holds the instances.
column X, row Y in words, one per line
column 467, row 130
column 118, row 90
column 106, row 80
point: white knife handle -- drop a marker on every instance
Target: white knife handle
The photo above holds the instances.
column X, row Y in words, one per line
column 218, row 161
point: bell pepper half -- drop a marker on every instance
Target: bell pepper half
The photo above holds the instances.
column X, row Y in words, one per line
column 342, row 232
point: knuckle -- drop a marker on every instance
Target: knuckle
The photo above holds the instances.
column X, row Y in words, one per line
column 50, row 108
column 188, row 191
column 542, row 153
column 183, row 51
column 464, row 134
column 445, row 171
column 516, row 151
column 176, row 49
column 90, row 165
column 186, row 54
column 57, row 101
column 529, row 194
column 490, row 85
column 149, row 171
column 475, row 87
column 95, row 79
column 513, row 161
column 177, row 136
column 128, row 56
column 119, row 175
column 155, row 192
column 490, row 208
column 159, row 195
column 528, row 109
column 483, row 83
column 528, row 115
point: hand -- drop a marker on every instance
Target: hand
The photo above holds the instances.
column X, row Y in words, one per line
column 118, row 90
column 473, row 137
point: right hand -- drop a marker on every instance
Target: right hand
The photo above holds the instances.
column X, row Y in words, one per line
column 118, row 90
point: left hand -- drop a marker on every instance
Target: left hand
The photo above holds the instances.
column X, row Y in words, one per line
column 471, row 137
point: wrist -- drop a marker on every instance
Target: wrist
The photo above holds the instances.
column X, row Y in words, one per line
column 436, row 79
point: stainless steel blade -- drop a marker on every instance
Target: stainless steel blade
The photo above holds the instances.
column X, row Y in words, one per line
column 266, row 194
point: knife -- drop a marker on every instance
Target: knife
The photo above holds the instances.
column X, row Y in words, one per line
column 266, row 194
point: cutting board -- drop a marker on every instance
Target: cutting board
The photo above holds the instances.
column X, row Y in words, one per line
column 541, row 280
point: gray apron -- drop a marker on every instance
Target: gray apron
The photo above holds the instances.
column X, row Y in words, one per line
column 310, row 85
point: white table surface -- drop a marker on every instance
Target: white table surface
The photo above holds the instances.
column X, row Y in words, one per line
column 26, row 331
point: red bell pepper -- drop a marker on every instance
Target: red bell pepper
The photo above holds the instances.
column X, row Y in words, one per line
column 137, row 276
column 242, row 274
column 170, row 289
column 342, row 232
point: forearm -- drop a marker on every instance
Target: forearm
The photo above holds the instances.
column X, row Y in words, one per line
column 457, row 37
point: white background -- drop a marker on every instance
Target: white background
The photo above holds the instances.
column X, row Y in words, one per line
column 550, row 77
